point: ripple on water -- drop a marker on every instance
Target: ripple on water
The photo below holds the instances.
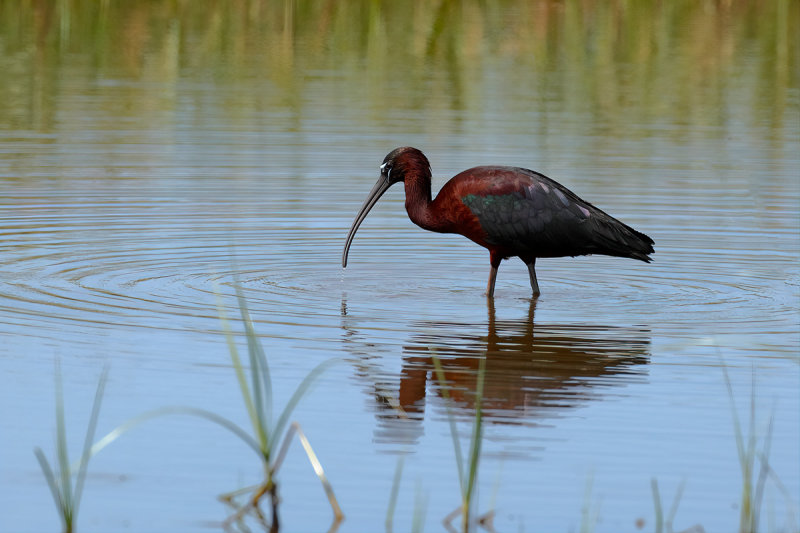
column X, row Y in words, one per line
column 97, row 259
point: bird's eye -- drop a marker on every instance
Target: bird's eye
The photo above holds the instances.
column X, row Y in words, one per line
column 386, row 169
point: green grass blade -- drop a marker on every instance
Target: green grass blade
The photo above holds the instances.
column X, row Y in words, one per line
column 299, row 392
column 52, row 482
column 674, row 509
column 437, row 365
column 240, row 374
column 62, row 452
column 136, row 421
column 762, row 473
column 318, row 470
column 748, row 510
column 259, row 372
column 87, row 442
column 477, row 437
column 659, row 520
column 737, row 428
column 747, row 454
column 745, row 510
column 791, row 505
column 398, row 474
column 259, row 387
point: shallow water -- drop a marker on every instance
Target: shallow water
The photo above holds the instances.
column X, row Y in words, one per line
column 144, row 173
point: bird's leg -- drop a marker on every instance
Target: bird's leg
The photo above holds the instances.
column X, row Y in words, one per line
column 490, row 285
column 532, row 274
column 494, row 259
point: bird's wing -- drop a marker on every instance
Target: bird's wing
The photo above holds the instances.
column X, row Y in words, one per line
column 523, row 212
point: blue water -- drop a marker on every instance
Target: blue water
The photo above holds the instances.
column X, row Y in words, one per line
column 121, row 220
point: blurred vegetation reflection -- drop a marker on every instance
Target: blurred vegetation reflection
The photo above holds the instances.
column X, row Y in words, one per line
column 629, row 64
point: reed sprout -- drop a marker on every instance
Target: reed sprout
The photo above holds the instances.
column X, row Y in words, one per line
column 271, row 433
column 752, row 461
column 59, row 476
column 664, row 524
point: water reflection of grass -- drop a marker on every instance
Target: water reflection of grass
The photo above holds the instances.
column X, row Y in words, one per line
column 611, row 59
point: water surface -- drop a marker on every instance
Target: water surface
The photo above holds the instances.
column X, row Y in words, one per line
column 150, row 154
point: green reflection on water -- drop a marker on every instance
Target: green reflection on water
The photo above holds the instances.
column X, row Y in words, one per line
column 630, row 65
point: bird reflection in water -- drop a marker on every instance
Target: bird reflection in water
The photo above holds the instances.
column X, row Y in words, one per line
column 533, row 371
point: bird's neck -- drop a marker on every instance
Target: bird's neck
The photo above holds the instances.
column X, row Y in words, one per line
column 418, row 201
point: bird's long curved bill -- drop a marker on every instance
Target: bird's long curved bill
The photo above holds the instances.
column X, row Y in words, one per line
column 374, row 195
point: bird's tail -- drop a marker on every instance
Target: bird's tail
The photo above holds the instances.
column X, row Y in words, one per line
column 621, row 240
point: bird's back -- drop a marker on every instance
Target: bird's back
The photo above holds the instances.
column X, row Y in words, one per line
column 519, row 212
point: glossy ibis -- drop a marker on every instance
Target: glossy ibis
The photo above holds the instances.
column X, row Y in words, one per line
column 510, row 211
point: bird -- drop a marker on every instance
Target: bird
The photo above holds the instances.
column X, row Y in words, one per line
column 510, row 211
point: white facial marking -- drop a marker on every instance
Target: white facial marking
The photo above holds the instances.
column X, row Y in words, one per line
column 383, row 166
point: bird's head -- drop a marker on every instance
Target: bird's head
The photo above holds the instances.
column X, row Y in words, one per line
column 404, row 161
column 399, row 163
